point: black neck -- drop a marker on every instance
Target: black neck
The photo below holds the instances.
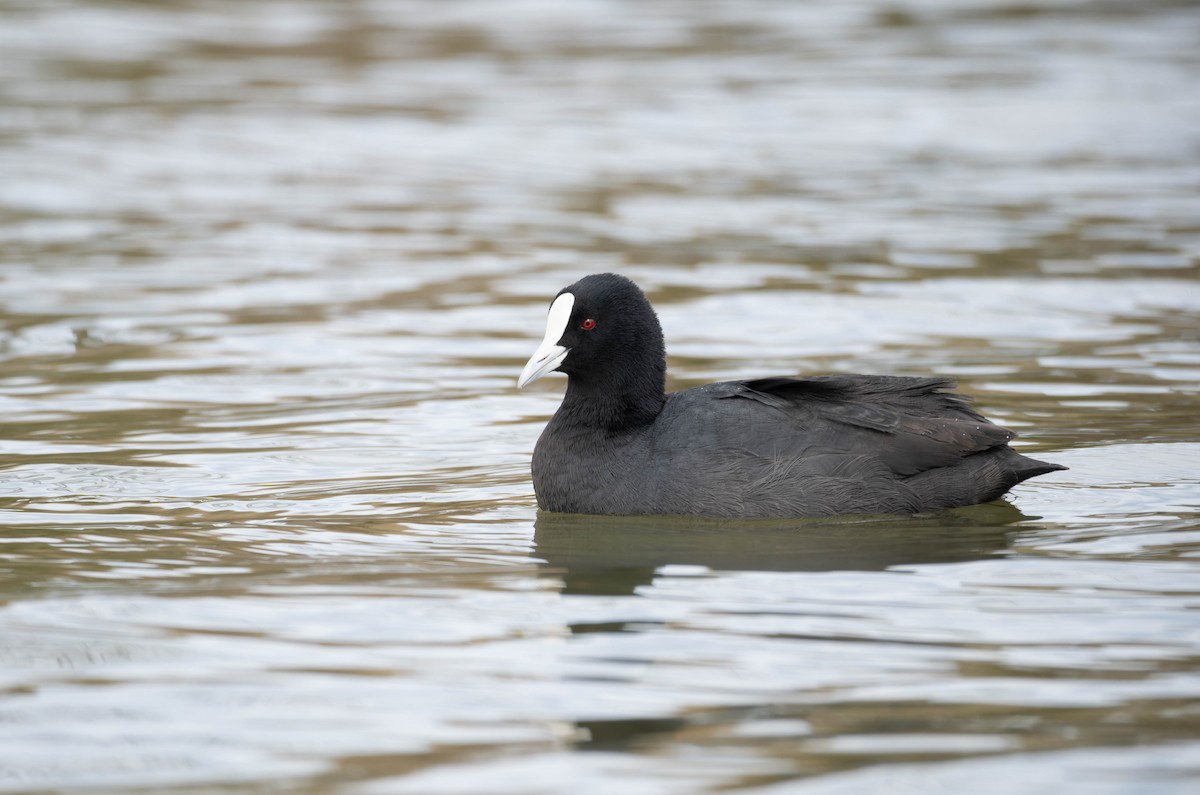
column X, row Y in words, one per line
column 616, row 403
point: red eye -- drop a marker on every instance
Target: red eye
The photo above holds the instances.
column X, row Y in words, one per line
column 588, row 324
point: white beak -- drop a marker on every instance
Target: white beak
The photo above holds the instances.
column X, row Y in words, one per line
column 550, row 354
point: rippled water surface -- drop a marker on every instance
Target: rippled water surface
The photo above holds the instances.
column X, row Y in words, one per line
column 268, row 271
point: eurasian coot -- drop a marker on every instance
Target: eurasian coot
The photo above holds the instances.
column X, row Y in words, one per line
column 765, row 447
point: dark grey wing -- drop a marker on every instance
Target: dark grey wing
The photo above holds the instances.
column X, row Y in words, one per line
column 910, row 424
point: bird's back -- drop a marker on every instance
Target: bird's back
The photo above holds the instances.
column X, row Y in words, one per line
column 816, row 447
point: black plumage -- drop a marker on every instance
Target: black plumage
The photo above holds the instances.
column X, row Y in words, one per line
column 767, row 447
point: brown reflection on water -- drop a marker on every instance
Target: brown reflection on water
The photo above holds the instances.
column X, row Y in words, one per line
column 615, row 555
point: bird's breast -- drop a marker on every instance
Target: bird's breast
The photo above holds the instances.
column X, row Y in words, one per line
column 586, row 471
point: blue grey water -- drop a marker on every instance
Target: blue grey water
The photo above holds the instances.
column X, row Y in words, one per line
column 268, row 273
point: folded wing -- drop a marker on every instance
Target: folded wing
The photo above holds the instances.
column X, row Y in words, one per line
column 910, row 424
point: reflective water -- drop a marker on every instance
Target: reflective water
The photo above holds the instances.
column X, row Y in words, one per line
column 270, row 270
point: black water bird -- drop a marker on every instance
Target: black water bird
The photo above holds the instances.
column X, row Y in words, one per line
column 764, row 447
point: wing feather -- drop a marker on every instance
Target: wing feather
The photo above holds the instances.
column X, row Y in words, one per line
column 923, row 423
